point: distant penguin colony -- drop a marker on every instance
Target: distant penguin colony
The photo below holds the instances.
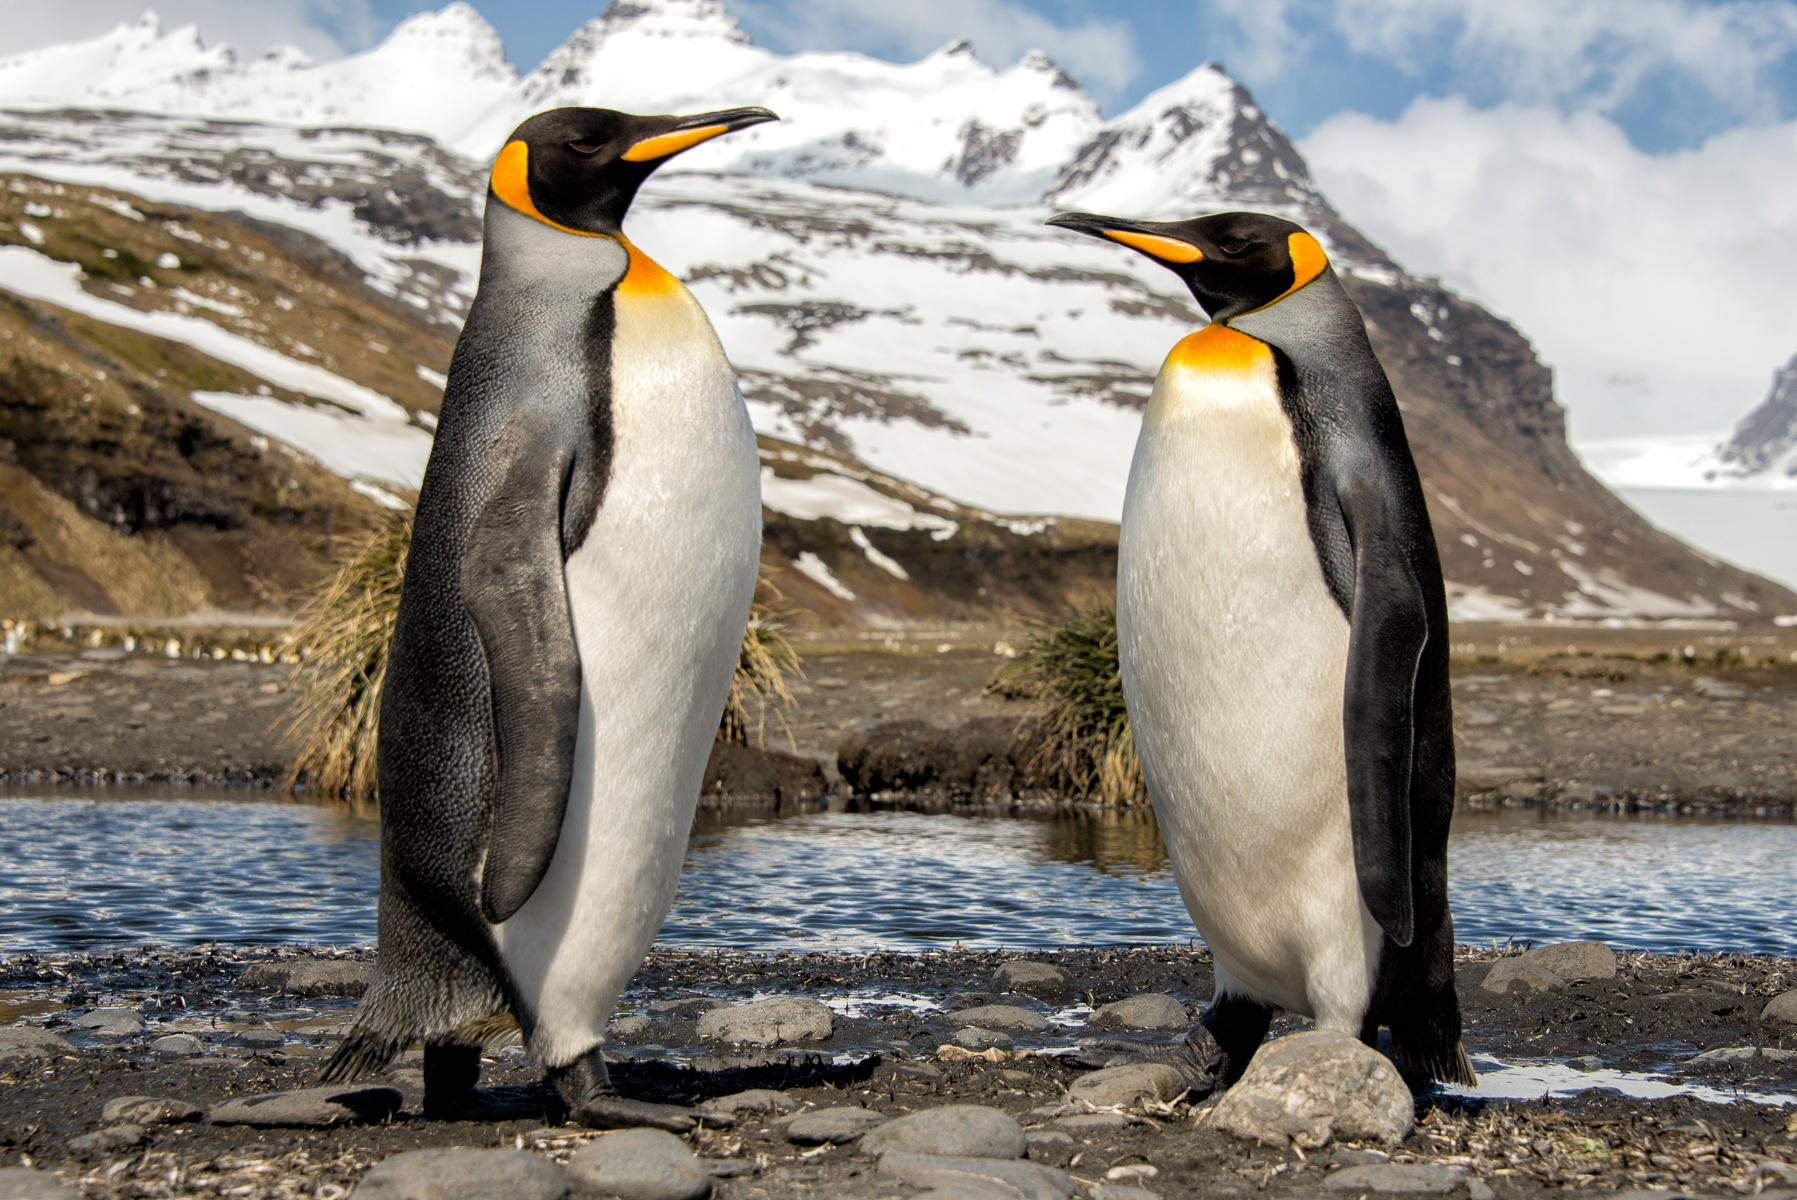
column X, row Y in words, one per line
column 1282, row 630
column 580, row 575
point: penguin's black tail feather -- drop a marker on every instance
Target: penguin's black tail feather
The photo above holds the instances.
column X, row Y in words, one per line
column 1437, row 1060
column 362, row 1053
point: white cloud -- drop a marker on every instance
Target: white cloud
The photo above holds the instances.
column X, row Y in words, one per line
column 1657, row 286
column 322, row 28
column 1102, row 54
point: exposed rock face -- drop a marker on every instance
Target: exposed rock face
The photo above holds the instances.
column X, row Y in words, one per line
column 1765, row 437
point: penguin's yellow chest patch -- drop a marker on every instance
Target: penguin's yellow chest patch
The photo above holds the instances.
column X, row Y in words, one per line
column 646, row 277
column 1214, row 368
column 1219, row 348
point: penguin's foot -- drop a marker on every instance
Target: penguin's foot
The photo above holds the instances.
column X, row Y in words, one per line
column 450, row 1073
column 593, row 1102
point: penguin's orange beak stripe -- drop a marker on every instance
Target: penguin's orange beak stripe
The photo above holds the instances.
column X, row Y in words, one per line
column 1153, row 244
column 664, row 144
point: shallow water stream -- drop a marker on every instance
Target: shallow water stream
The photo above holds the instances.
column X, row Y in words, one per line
column 177, row 868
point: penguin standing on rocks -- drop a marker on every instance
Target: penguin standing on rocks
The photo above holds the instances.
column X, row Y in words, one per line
column 1284, row 642
column 580, row 574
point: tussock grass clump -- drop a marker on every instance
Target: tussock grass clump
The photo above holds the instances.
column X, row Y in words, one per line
column 1082, row 745
column 342, row 640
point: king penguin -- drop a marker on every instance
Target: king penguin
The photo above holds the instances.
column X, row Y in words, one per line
column 581, row 568
column 1283, row 637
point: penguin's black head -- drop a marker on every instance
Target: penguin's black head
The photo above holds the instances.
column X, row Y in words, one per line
column 578, row 169
column 1234, row 262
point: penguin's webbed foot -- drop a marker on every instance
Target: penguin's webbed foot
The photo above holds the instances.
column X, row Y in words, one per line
column 450, row 1075
column 593, row 1102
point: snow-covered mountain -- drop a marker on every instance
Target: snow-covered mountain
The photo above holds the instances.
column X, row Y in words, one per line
column 921, row 321
column 1763, row 446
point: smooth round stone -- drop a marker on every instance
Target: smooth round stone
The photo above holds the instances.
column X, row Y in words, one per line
column 1155, row 1010
column 1575, row 960
column 308, row 976
column 24, row 1043
column 974, row 1038
column 755, row 1100
column 26, row 1183
column 999, row 1016
column 312, row 1108
column 110, row 1024
column 1115, row 1087
column 107, row 1141
column 150, row 1110
column 640, row 1164
column 1032, row 978
column 465, row 1174
column 1509, row 975
column 954, row 1130
column 629, row 1025
column 768, row 1022
column 177, row 1045
column 1423, row 1178
column 259, row 1039
column 1782, row 1010
column 836, row 1125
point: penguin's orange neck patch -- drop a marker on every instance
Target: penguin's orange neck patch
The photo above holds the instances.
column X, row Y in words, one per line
column 1218, row 348
column 645, row 276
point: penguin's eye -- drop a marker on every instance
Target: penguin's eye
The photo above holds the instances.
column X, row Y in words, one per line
column 1233, row 246
column 584, row 149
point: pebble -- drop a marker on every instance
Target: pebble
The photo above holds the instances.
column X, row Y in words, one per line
column 640, row 1164
column 25, row 1183
column 768, row 1022
column 1097, row 1120
column 310, row 1108
column 177, row 1045
column 1306, row 1089
column 1041, row 979
column 1575, row 960
column 1715, row 689
column 979, row 1178
column 955, row 1130
column 756, row 1100
column 1781, row 1011
column 1509, row 975
column 1425, row 1178
column 1050, row 1140
column 999, row 1016
column 1112, row 1087
column 1133, row 1171
column 834, row 1125
column 1122, row 1191
column 150, row 1110
column 110, row 1024
column 259, row 1039
column 310, row 976
column 23, row 1043
column 974, row 1038
column 465, row 1174
column 108, row 1140
column 1156, row 1010
column 629, row 1025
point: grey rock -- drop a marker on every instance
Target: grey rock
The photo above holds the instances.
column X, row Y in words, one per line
column 1131, row 1171
column 1728, row 1054
column 1128, row 1084
column 24, row 1183
column 465, row 1174
column 629, row 1025
column 1156, row 1010
column 756, row 1100
column 974, row 1038
column 836, row 1125
column 261, row 1038
column 768, row 1022
column 1575, row 960
column 1096, row 1120
column 685, row 1007
column 177, row 1045
column 109, row 1140
column 1426, row 1178
column 1046, row 1139
column 110, row 1024
column 640, row 1164
column 954, row 1130
column 310, row 1108
column 1781, row 1011
column 1716, row 689
column 999, row 1016
column 310, row 976
column 150, row 1110
column 25, row 1043
column 978, row 1178
column 1478, row 1189
column 1032, row 979
column 1509, row 975
column 1122, row 1191
column 1308, row 1088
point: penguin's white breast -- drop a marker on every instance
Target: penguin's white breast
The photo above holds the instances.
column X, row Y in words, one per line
column 1233, row 655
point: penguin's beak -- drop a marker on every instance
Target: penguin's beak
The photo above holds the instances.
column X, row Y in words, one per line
column 1147, row 237
column 688, row 132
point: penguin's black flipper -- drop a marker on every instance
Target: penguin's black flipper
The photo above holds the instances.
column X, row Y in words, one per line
column 1388, row 627
column 513, row 587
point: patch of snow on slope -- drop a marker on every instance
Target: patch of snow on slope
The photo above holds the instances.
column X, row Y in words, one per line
column 875, row 556
column 813, row 567
column 350, row 446
column 846, row 500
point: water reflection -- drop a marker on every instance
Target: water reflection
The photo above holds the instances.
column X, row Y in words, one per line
column 172, row 868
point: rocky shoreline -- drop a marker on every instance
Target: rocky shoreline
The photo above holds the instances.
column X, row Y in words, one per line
column 1616, row 733
column 956, row 1074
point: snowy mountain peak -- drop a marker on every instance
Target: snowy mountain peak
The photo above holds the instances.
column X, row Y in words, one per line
column 671, row 19
column 1765, row 441
column 959, row 48
column 456, row 38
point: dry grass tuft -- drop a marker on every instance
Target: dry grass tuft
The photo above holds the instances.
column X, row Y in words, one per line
column 342, row 639
column 1082, row 745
